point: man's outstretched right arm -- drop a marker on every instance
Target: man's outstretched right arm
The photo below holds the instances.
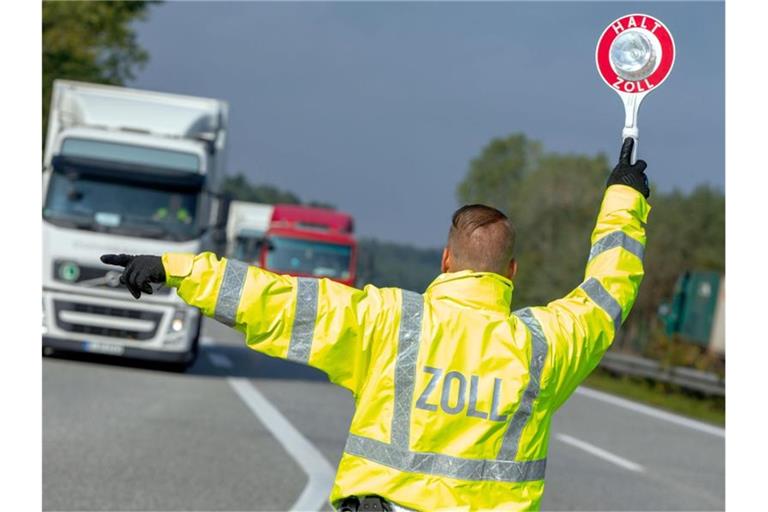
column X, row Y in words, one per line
column 581, row 326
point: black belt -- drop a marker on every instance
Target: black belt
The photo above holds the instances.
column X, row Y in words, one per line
column 367, row 503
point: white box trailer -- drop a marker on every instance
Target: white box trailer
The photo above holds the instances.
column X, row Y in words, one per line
column 126, row 171
column 247, row 227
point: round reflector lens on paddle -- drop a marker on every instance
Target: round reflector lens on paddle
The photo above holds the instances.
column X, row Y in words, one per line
column 633, row 56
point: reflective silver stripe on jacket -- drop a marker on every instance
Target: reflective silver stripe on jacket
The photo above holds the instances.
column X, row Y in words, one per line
column 510, row 443
column 398, row 455
column 617, row 239
column 445, row 465
column 303, row 330
column 597, row 292
column 405, row 366
column 231, row 289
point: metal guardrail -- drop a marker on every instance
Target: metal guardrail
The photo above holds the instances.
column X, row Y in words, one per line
column 687, row 378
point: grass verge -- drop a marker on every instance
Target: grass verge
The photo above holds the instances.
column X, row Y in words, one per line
column 709, row 409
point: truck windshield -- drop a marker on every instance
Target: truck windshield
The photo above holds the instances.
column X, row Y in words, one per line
column 307, row 257
column 123, row 207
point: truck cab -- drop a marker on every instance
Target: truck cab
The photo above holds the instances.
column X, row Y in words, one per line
column 292, row 239
column 311, row 242
column 125, row 171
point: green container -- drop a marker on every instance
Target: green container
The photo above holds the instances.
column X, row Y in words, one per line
column 692, row 310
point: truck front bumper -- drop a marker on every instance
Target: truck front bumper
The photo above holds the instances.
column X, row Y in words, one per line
column 161, row 356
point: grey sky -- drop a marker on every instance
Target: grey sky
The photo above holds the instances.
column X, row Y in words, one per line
column 379, row 107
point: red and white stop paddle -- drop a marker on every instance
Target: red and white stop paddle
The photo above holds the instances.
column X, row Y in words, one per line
column 634, row 55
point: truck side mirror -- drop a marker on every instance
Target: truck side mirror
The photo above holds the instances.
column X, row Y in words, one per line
column 267, row 244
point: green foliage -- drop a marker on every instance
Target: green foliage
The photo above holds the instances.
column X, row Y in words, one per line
column 502, row 166
column 557, row 200
column 238, row 187
column 91, row 42
column 553, row 199
column 321, row 204
column 549, row 198
column 391, row 264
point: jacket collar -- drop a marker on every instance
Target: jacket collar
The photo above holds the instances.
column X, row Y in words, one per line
column 476, row 290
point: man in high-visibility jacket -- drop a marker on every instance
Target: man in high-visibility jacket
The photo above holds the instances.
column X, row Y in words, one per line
column 454, row 391
column 174, row 212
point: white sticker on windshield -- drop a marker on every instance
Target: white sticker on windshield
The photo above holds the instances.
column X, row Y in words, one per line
column 107, row 219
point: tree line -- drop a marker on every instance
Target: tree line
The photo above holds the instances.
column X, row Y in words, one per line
column 90, row 42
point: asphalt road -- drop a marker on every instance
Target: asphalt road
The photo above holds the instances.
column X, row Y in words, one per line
column 241, row 431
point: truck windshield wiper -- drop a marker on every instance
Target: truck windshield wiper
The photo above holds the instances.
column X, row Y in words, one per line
column 146, row 226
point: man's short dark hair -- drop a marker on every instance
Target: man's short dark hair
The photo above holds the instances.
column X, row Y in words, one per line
column 481, row 238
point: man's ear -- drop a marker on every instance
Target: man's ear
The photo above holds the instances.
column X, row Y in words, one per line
column 446, row 261
column 512, row 270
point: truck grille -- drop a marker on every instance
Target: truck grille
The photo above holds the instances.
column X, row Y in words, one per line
column 63, row 307
column 92, row 277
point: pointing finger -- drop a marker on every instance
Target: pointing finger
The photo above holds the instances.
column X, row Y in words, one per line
column 121, row 260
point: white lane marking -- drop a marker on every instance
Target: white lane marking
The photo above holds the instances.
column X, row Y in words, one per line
column 319, row 472
column 206, row 341
column 220, row 360
column 651, row 411
column 599, row 452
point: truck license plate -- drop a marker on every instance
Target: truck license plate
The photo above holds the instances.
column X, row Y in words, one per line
column 103, row 348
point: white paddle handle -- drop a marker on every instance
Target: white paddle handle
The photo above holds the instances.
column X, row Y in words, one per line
column 631, row 131
column 631, row 106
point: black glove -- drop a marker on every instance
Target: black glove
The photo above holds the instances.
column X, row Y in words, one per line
column 139, row 273
column 631, row 175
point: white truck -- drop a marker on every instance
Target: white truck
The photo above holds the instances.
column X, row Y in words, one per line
column 247, row 228
column 126, row 171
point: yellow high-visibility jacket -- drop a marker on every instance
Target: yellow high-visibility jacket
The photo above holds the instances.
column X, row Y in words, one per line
column 454, row 392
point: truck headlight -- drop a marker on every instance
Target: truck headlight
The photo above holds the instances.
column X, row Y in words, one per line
column 178, row 322
column 45, row 325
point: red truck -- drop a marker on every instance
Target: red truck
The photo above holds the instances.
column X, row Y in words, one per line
column 291, row 239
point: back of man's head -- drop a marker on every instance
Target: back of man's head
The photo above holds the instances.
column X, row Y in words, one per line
column 481, row 239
